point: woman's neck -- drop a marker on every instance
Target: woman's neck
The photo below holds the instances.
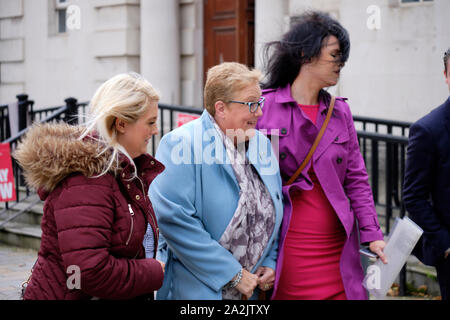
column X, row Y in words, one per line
column 305, row 90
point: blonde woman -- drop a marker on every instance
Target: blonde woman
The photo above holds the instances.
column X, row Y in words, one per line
column 94, row 181
column 221, row 227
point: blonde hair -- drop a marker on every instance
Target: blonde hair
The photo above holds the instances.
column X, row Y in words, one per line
column 125, row 97
column 225, row 79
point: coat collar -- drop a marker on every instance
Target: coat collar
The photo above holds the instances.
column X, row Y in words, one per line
column 256, row 151
column 147, row 167
column 447, row 114
column 284, row 95
column 447, row 108
column 335, row 130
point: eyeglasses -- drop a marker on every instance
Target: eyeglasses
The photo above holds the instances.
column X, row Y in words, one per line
column 252, row 106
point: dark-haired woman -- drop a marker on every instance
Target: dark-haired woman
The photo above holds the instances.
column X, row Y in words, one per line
column 329, row 209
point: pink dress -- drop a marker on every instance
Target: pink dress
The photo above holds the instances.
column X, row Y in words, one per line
column 313, row 245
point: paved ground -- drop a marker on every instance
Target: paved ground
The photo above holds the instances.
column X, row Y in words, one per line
column 16, row 264
column 15, row 268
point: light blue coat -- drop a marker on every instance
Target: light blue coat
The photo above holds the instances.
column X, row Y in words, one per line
column 194, row 200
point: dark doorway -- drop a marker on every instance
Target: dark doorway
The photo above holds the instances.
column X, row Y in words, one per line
column 229, row 32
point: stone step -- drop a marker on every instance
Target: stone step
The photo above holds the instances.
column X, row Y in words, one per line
column 21, row 235
column 25, row 232
column 31, row 215
column 419, row 274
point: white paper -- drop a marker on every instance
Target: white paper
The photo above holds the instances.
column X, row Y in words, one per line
column 402, row 239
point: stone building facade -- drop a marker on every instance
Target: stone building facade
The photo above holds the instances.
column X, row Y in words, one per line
column 52, row 49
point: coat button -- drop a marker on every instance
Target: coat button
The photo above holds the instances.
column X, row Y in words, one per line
column 337, row 139
column 282, row 156
column 138, row 197
column 339, row 160
column 128, row 186
column 283, row 131
column 278, row 196
column 123, row 175
column 152, row 162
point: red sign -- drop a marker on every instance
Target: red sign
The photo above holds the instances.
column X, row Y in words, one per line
column 7, row 190
column 184, row 118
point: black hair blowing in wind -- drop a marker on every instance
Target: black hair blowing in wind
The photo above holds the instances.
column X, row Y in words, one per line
column 300, row 45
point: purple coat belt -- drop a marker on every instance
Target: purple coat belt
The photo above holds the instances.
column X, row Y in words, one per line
column 339, row 166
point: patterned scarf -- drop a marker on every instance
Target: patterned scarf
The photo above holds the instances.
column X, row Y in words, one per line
column 248, row 232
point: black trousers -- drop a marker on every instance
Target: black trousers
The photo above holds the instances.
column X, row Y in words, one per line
column 443, row 275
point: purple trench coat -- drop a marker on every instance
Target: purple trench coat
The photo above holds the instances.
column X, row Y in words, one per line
column 339, row 167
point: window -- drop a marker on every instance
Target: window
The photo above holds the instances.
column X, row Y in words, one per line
column 61, row 8
column 415, row 1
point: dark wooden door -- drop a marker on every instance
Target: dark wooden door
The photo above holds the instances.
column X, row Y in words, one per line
column 229, row 32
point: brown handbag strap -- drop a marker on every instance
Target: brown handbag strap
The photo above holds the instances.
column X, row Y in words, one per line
column 315, row 144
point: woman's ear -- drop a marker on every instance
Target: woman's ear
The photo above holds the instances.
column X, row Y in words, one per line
column 120, row 125
column 220, row 109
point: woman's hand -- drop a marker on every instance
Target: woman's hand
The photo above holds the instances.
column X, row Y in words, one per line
column 248, row 283
column 266, row 278
column 378, row 247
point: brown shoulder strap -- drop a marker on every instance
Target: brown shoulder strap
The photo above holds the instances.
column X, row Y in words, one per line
column 315, row 144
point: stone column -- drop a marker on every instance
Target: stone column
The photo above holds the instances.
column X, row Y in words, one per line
column 160, row 47
column 271, row 21
column 12, row 50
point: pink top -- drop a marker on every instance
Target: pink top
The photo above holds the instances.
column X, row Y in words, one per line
column 310, row 111
column 313, row 244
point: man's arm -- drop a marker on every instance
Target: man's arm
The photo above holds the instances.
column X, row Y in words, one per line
column 419, row 178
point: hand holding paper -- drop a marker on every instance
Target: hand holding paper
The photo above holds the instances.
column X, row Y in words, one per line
column 378, row 248
column 402, row 240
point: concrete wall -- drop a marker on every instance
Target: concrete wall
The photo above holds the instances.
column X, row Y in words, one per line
column 163, row 40
column 51, row 66
column 172, row 49
column 191, row 51
column 12, row 51
column 395, row 72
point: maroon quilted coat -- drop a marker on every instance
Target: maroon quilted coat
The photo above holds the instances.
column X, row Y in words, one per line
column 94, row 224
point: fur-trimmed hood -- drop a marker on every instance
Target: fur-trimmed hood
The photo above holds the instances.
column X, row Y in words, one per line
column 50, row 152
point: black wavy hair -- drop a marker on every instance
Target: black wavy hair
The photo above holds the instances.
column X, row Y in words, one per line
column 300, row 44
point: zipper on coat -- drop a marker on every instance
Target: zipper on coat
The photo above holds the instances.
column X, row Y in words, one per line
column 132, row 223
column 143, row 188
column 154, row 225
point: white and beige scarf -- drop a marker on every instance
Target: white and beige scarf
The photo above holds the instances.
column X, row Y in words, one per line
column 249, row 231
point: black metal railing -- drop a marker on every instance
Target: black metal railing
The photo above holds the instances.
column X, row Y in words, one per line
column 385, row 157
column 71, row 112
column 5, row 131
column 383, row 152
column 383, row 145
column 24, row 110
column 382, row 142
column 167, row 111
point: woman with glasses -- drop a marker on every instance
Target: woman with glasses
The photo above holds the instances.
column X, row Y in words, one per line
column 218, row 202
column 329, row 208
